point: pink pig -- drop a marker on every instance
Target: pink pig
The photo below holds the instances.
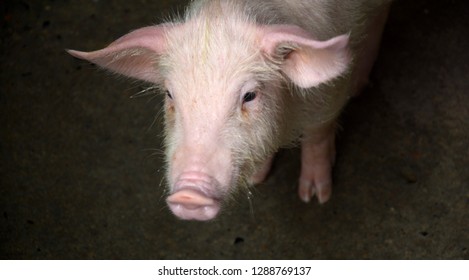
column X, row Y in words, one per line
column 243, row 78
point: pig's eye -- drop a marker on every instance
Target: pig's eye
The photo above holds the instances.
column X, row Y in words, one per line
column 249, row 96
column 168, row 94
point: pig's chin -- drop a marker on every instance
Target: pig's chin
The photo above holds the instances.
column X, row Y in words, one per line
column 195, row 196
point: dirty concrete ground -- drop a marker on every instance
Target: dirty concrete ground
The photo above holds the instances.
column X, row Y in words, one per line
column 81, row 161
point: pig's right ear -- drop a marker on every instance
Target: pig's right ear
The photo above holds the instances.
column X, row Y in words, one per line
column 133, row 55
column 306, row 61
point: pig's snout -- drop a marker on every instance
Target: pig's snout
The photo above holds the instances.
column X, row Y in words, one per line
column 195, row 197
column 190, row 204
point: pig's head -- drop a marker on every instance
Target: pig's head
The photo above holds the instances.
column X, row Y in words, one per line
column 224, row 86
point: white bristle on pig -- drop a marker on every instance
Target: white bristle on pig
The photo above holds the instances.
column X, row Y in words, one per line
column 243, row 78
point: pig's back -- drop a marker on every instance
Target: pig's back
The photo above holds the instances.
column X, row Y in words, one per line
column 322, row 18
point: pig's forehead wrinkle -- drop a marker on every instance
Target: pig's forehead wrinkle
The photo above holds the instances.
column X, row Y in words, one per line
column 210, row 28
column 213, row 57
column 208, row 43
column 215, row 53
column 208, row 64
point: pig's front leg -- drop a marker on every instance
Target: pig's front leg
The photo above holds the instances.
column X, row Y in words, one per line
column 317, row 158
column 260, row 175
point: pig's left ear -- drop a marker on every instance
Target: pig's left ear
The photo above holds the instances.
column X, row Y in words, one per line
column 132, row 55
column 306, row 61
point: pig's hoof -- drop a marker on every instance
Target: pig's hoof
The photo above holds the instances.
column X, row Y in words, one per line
column 191, row 204
column 317, row 158
column 262, row 173
column 308, row 188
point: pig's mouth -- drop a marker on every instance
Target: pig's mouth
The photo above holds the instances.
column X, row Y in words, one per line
column 194, row 197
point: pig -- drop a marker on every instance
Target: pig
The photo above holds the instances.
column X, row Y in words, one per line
column 243, row 78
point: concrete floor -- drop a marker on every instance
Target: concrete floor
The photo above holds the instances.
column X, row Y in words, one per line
column 80, row 170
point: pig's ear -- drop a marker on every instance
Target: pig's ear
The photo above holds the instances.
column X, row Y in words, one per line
column 306, row 61
column 133, row 55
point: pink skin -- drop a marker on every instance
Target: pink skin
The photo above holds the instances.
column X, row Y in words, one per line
column 201, row 173
column 193, row 197
column 200, row 168
column 261, row 174
column 318, row 145
column 201, row 149
column 211, row 131
column 317, row 158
